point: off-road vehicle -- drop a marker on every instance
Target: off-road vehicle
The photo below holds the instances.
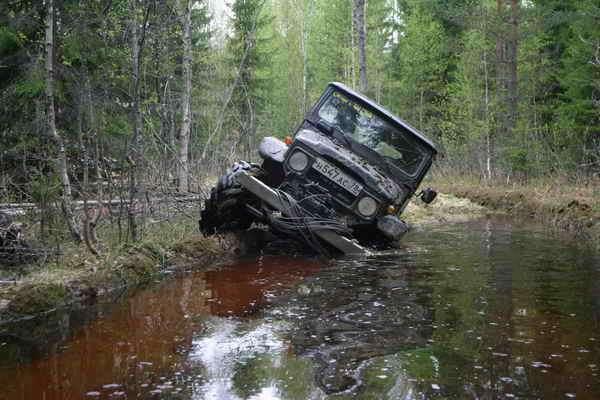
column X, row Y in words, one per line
column 342, row 182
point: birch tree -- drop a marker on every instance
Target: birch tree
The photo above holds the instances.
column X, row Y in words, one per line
column 184, row 137
column 61, row 161
column 135, row 152
column 361, row 34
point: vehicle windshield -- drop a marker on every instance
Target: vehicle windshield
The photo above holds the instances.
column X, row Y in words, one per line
column 397, row 147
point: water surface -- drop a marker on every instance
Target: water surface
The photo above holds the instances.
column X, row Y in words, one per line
column 483, row 310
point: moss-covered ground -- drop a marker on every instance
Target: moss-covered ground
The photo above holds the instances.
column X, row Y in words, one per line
column 77, row 275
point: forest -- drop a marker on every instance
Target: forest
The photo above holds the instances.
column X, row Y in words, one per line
column 138, row 99
column 119, row 117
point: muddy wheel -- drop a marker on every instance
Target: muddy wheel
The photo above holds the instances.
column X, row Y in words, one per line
column 225, row 209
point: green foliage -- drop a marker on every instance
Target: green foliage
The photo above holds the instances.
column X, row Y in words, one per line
column 580, row 76
column 433, row 63
column 44, row 189
column 10, row 41
column 72, row 51
column 469, row 112
column 517, row 159
column 330, row 52
column 117, row 125
column 249, row 54
column 422, row 60
column 30, row 88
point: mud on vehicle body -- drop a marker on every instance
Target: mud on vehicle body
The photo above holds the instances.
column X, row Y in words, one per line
column 342, row 182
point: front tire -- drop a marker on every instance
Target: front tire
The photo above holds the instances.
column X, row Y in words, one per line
column 225, row 209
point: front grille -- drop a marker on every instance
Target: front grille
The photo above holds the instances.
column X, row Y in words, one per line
column 335, row 190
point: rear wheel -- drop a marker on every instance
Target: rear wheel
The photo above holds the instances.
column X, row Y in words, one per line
column 225, row 209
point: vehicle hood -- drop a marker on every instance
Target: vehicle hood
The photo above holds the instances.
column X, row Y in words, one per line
column 371, row 176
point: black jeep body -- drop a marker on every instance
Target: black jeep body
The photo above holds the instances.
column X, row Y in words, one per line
column 342, row 182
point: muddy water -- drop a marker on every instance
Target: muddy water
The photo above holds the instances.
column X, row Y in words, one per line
column 480, row 310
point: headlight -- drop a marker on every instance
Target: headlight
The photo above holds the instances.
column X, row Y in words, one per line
column 298, row 161
column 367, row 206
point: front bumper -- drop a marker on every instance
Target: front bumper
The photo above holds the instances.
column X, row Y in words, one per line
column 269, row 196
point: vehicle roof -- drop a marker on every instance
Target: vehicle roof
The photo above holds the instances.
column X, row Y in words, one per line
column 385, row 112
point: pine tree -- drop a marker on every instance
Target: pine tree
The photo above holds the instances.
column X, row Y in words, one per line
column 421, row 60
column 248, row 57
column 331, row 54
column 468, row 129
column 579, row 108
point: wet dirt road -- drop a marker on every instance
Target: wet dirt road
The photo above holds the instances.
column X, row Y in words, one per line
column 478, row 310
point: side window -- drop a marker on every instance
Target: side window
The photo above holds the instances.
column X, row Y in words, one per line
column 328, row 112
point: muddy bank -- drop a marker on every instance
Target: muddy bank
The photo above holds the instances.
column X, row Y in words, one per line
column 568, row 212
column 80, row 278
column 446, row 208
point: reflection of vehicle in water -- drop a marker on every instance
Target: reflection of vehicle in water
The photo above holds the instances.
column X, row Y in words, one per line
column 352, row 316
column 342, row 182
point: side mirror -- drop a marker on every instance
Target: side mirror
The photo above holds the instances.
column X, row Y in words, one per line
column 428, row 195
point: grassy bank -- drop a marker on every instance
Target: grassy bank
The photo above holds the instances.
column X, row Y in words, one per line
column 77, row 275
column 561, row 204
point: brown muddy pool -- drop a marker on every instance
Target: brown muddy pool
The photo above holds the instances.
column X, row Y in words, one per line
column 484, row 310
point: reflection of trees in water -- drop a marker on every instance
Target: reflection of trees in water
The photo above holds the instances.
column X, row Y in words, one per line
column 502, row 304
column 357, row 311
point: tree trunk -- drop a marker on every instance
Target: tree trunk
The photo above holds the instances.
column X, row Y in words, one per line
column 97, row 161
column 61, row 161
column 83, row 144
column 135, row 146
column 421, row 94
column 506, row 64
column 501, row 69
column 184, row 137
column 361, row 33
column 351, row 67
column 512, row 59
column 488, row 139
column 307, row 12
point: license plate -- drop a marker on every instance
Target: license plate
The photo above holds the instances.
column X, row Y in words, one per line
column 337, row 176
